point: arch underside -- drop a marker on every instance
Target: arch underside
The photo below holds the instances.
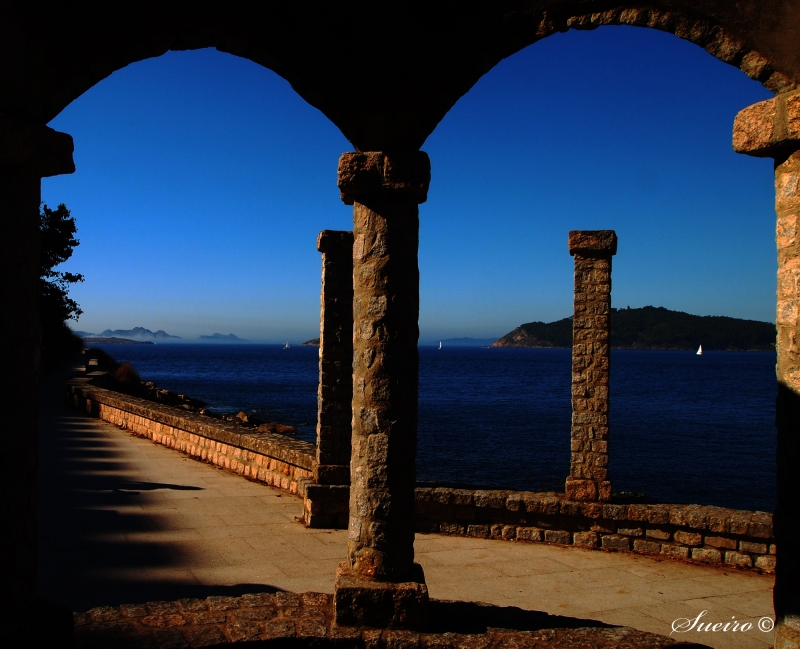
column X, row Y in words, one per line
column 385, row 75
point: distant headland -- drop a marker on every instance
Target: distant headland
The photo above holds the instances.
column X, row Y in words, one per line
column 654, row 328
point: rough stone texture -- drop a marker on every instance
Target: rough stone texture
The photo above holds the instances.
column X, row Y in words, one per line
column 769, row 128
column 273, row 459
column 591, row 361
column 772, row 128
column 362, row 601
column 335, row 392
column 385, row 359
column 552, row 518
column 307, row 620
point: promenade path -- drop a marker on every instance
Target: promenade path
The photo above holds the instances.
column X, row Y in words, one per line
column 124, row 520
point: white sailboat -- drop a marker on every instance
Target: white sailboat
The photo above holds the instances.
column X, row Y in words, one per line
column 440, row 344
column 700, row 350
column 287, row 344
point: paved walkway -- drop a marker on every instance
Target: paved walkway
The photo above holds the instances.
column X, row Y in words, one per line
column 124, row 520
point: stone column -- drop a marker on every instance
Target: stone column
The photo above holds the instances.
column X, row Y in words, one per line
column 335, row 394
column 27, row 153
column 591, row 360
column 379, row 584
column 326, row 500
column 772, row 129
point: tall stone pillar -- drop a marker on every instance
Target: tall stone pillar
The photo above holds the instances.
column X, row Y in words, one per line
column 379, row 584
column 591, row 361
column 772, row 129
column 326, row 500
column 27, row 153
column 335, row 394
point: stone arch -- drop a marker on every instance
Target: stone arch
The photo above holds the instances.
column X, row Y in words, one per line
column 727, row 42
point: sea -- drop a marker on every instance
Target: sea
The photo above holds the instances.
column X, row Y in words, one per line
column 683, row 428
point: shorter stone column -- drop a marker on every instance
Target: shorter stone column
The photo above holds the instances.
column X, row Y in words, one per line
column 591, row 360
column 326, row 500
column 772, row 129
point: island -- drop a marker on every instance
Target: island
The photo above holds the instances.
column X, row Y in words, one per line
column 654, row 328
column 314, row 342
column 222, row 338
column 113, row 340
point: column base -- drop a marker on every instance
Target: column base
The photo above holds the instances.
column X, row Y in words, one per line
column 362, row 601
column 588, row 490
column 326, row 506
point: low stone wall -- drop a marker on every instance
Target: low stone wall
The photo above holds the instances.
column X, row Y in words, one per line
column 706, row 534
column 273, row 459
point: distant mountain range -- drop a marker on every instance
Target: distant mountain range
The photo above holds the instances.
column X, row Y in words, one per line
column 137, row 333
column 654, row 328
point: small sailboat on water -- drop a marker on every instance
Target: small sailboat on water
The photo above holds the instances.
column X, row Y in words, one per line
column 287, row 344
column 700, row 350
column 440, row 344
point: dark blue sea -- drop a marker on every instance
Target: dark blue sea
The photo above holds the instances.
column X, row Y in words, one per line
column 684, row 428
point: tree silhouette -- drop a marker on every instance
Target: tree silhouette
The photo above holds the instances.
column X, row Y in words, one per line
column 57, row 238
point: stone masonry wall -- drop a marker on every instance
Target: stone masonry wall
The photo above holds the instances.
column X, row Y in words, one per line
column 705, row 534
column 276, row 460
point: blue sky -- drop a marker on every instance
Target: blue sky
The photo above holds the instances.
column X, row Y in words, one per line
column 203, row 179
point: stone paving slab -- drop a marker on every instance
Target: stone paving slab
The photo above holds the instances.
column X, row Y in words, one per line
column 122, row 520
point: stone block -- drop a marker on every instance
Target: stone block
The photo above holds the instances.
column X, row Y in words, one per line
column 738, row 559
column 676, row 551
column 590, row 243
column 480, row 531
column 688, row 538
column 658, row 514
column 560, row 537
column 760, row 526
column 740, row 522
column 630, row 531
column 509, row 532
column 380, row 604
column 530, row 534
column 661, row 535
column 615, row 512
column 766, row 563
column 451, row 528
column 709, row 555
column 585, row 539
column 615, row 542
column 721, row 542
column 649, row 547
column 763, row 129
column 755, row 548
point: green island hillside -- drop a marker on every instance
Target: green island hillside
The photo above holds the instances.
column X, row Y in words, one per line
column 654, row 328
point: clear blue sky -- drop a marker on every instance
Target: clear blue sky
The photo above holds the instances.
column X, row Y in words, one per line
column 203, row 179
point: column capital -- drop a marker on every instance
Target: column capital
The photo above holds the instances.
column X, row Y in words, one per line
column 593, row 243
column 769, row 129
column 329, row 240
column 404, row 176
column 36, row 147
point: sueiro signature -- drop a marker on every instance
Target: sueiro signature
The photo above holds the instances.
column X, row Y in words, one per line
column 686, row 624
